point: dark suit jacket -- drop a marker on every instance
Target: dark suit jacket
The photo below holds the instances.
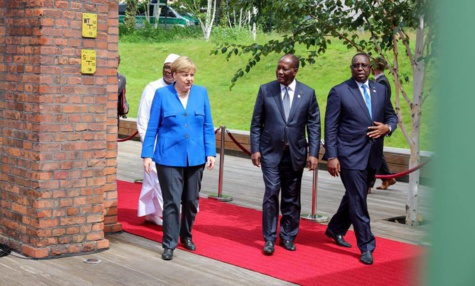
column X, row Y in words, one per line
column 346, row 124
column 268, row 126
column 384, row 81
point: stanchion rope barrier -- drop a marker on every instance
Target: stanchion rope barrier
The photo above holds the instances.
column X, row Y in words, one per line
column 237, row 143
column 127, row 138
column 391, row 176
column 402, row 174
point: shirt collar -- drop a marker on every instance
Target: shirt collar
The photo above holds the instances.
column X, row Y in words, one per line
column 291, row 85
column 360, row 83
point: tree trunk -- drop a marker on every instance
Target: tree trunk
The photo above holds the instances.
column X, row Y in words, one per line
column 254, row 28
column 210, row 13
column 130, row 13
column 413, row 216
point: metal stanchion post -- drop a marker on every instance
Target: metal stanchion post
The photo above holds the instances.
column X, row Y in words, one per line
column 314, row 216
column 220, row 196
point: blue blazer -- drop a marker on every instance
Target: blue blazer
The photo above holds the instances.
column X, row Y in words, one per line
column 347, row 120
column 269, row 128
column 184, row 137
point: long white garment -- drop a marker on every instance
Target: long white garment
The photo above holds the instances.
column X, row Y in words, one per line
column 151, row 200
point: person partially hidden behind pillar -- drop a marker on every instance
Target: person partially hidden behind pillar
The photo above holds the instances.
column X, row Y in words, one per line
column 378, row 67
column 359, row 115
column 151, row 200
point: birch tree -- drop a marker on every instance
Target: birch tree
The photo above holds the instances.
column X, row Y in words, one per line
column 210, row 15
column 386, row 24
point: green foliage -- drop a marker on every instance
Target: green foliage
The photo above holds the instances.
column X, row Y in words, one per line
column 130, row 13
column 148, row 33
column 383, row 19
column 141, row 63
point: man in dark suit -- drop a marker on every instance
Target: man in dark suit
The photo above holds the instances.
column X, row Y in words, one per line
column 284, row 111
column 378, row 68
column 359, row 114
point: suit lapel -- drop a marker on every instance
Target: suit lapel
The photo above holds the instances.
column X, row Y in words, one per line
column 298, row 93
column 277, row 94
column 353, row 87
column 374, row 95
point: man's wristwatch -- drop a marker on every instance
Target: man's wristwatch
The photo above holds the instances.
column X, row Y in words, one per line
column 389, row 127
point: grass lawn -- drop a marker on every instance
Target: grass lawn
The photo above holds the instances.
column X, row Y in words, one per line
column 142, row 63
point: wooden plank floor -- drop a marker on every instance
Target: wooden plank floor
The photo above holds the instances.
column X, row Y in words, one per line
column 132, row 260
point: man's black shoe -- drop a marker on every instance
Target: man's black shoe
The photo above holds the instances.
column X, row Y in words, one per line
column 188, row 243
column 339, row 240
column 167, row 254
column 269, row 248
column 366, row 257
column 287, row 244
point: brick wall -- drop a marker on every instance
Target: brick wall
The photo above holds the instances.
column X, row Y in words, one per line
column 58, row 128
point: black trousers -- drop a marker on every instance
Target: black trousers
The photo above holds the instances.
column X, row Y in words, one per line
column 285, row 178
column 353, row 208
column 180, row 188
column 383, row 170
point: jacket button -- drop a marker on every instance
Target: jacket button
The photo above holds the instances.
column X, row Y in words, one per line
column 185, row 114
column 186, row 125
column 186, row 136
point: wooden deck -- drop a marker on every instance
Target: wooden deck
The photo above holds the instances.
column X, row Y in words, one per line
column 132, row 260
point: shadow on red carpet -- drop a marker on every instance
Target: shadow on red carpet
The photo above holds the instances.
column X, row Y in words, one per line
column 233, row 234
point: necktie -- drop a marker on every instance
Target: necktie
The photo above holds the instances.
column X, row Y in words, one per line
column 286, row 102
column 367, row 99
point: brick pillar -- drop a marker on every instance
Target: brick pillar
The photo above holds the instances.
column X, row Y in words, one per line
column 58, row 128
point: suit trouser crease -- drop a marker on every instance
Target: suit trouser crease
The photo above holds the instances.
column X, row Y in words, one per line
column 180, row 185
column 276, row 179
column 353, row 208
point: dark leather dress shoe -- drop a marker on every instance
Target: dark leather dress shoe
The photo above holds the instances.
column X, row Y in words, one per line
column 167, row 254
column 269, row 248
column 339, row 240
column 287, row 244
column 366, row 257
column 188, row 243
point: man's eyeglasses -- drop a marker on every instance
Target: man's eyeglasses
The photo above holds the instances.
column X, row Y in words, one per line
column 355, row 66
column 167, row 67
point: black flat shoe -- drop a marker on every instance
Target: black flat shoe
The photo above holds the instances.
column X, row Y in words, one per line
column 339, row 240
column 287, row 244
column 167, row 254
column 188, row 244
column 268, row 248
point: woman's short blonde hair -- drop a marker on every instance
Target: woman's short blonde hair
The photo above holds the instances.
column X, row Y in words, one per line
column 183, row 64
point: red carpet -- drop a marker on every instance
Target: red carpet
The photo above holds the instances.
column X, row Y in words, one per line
column 233, row 234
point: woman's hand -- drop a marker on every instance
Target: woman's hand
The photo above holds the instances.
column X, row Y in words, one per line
column 147, row 164
column 210, row 162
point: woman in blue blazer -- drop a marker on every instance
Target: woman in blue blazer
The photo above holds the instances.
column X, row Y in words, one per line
column 180, row 140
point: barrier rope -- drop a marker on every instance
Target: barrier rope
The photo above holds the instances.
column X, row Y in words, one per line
column 402, row 174
column 391, row 176
column 237, row 143
column 127, row 138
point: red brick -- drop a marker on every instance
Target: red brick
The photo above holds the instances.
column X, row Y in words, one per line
column 56, row 169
